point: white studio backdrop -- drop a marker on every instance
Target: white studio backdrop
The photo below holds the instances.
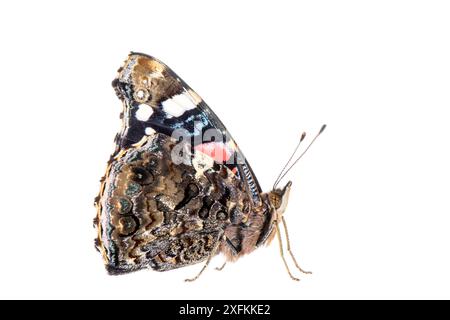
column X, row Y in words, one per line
column 369, row 209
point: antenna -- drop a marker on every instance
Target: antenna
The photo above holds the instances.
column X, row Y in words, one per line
column 293, row 164
column 287, row 163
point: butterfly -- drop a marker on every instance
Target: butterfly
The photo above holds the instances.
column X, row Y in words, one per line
column 178, row 190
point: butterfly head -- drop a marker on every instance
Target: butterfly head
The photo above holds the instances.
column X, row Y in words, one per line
column 279, row 198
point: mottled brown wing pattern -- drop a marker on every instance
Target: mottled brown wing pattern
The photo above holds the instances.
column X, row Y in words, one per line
column 155, row 213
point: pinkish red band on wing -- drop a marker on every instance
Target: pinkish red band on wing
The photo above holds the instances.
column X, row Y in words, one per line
column 216, row 150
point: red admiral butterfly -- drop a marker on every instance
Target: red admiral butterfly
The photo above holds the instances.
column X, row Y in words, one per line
column 178, row 190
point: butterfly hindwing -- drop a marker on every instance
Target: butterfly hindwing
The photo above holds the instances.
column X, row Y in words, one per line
column 163, row 215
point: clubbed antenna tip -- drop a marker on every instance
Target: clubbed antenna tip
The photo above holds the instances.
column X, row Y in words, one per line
column 303, row 136
column 322, row 129
column 285, row 171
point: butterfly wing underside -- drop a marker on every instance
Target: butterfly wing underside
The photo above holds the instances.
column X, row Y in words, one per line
column 155, row 212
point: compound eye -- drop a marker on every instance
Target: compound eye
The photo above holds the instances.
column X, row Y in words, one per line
column 276, row 201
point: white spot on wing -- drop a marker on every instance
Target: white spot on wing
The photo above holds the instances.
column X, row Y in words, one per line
column 178, row 104
column 172, row 108
column 149, row 131
column 144, row 112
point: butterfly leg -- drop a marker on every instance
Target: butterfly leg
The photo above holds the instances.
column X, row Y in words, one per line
column 282, row 253
column 223, row 266
column 212, row 254
column 289, row 248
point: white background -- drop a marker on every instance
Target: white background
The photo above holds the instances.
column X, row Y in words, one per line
column 369, row 209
